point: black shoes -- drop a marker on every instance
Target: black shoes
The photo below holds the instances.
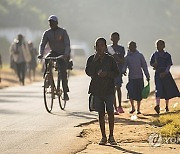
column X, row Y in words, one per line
column 132, row 111
column 138, row 112
column 111, row 140
column 157, row 109
column 103, row 141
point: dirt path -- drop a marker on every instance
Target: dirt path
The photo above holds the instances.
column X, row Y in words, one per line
column 131, row 135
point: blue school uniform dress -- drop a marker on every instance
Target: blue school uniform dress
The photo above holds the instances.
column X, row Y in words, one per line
column 165, row 86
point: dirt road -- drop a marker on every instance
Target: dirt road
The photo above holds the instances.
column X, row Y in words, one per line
column 131, row 135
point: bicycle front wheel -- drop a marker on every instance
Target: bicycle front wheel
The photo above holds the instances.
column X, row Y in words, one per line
column 62, row 102
column 48, row 94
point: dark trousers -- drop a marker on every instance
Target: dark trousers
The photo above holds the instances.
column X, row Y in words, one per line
column 21, row 71
column 62, row 68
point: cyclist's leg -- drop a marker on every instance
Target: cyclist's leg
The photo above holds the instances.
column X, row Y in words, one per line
column 51, row 54
column 63, row 69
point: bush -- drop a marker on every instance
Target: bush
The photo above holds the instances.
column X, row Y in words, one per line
column 4, row 50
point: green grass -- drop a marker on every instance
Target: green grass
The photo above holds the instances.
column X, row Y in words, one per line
column 169, row 123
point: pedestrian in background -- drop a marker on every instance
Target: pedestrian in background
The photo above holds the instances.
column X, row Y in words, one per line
column 102, row 69
column 21, row 56
column 164, row 83
column 135, row 62
column 118, row 52
column 33, row 63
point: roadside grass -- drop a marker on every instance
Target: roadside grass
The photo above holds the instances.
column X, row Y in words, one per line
column 169, row 123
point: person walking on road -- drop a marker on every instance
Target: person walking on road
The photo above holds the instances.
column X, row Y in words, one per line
column 135, row 62
column 102, row 69
column 59, row 43
column 118, row 52
column 21, row 56
column 33, row 63
column 165, row 85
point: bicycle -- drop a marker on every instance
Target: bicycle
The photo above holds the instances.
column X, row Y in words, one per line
column 51, row 86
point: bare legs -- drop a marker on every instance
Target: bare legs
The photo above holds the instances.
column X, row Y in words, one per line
column 118, row 108
column 102, row 123
column 157, row 107
column 133, row 107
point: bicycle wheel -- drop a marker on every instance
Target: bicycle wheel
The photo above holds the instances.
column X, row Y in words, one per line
column 62, row 102
column 48, row 94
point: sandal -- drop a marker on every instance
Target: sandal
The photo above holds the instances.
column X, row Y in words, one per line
column 103, row 141
column 132, row 111
column 157, row 109
column 112, row 141
column 138, row 112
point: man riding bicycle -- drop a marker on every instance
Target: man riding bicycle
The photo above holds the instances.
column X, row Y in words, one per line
column 59, row 43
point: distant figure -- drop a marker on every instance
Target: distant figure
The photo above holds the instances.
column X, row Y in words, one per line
column 12, row 63
column 118, row 52
column 165, row 85
column 21, row 56
column 33, row 63
column 0, row 66
column 102, row 69
column 135, row 62
column 59, row 43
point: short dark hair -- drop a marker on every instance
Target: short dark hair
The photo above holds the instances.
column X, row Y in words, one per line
column 160, row 41
column 115, row 33
column 100, row 39
column 131, row 42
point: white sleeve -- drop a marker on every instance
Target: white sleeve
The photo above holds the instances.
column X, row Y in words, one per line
column 110, row 50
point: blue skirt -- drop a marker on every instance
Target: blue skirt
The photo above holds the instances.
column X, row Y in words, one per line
column 166, row 87
column 134, row 88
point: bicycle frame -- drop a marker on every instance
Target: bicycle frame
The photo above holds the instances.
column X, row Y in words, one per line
column 50, row 87
column 49, row 68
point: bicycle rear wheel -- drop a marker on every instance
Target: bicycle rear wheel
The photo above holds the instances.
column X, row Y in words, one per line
column 62, row 102
column 48, row 94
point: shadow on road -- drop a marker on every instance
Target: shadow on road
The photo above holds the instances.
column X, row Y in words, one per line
column 7, row 101
column 84, row 115
column 124, row 150
column 2, row 111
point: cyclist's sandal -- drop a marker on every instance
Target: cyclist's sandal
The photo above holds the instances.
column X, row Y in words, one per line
column 103, row 141
column 112, row 141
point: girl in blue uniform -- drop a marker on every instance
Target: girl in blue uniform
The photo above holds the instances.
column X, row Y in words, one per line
column 165, row 85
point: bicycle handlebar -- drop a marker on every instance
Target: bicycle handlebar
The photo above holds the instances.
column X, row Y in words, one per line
column 54, row 58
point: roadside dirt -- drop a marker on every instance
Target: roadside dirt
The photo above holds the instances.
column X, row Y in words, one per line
column 131, row 135
column 9, row 78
